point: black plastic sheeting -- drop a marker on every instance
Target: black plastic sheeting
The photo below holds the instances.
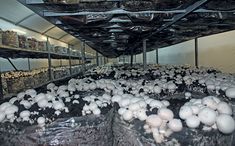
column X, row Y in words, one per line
column 118, row 27
column 83, row 131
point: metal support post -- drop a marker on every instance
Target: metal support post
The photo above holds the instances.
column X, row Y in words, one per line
column 60, row 62
column 70, row 63
column 97, row 58
column 144, row 55
column 1, row 86
column 83, row 56
column 49, row 59
column 157, row 59
column 196, row 52
column 29, row 66
column 12, row 64
column 132, row 56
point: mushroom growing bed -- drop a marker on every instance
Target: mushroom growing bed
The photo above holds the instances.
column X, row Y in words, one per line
column 119, row 105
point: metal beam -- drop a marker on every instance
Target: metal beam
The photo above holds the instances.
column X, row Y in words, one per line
column 63, row 36
column 29, row 66
column 97, row 58
column 31, row 2
column 124, row 12
column 144, row 55
column 37, row 2
column 111, row 12
column 12, row 64
column 17, row 23
column 83, row 55
column 70, row 63
column 1, row 86
column 132, row 55
column 196, row 52
column 49, row 59
column 157, row 57
column 49, row 29
column 178, row 17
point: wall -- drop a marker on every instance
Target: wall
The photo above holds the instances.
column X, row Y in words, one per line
column 218, row 51
column 182, row 53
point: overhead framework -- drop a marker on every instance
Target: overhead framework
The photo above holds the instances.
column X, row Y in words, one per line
column 117, row 27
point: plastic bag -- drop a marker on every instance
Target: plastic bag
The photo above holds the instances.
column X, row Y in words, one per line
column 83, row 131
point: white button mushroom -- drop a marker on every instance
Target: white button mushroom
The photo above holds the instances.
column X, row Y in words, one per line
column 121, row 111
column 2, row 116
column 58, row 105
column 165, row 114
column 230, row 92
column 141, row 114
column 41, row 121
column 154, row 121
column 96, row 111
column 185, row 111
column 207, row 116
column 224, row 108
column 25, row 115
column 127, row 115
column 43, row 103
column 156, row 104
column 4, row 105
column 225, row 123
column 11, row 110
column 175, row 125
column 26, row 104
column 192, row 121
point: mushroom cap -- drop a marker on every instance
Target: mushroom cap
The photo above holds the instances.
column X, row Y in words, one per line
column 175, row 125
column 134, row 107
column 225, row 123
column 127, row 115
column 156, row 103
column 141, row 114
column 4, row 105
column 2, row 116
column 39, row 97
column 24, row 113
column 116, row 98
column 157, row 89
column 121, row 111
column 43, row 103
column 185, row 111
column 193, row 121
column 230, row 92
column 165, row 114
column 41, row 121
column 11, row 109
column 154, row 121
column 210, row 102
column 207, row 116
column 224, row 108
column 96, row 111
column 58, row 105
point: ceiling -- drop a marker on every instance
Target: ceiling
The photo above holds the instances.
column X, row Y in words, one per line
column 18, row 14
column 117, row 27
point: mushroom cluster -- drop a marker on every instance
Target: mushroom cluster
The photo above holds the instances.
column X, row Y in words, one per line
column 211, row 112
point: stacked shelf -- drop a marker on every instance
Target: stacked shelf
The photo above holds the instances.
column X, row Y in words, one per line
column 16, row 52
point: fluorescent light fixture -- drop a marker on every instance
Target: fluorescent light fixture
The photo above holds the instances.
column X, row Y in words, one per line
column 18, row 31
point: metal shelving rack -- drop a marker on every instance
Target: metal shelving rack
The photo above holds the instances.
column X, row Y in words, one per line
column 15, row 52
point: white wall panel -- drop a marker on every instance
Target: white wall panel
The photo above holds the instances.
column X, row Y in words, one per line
column 218, row 51
column 178, row 54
